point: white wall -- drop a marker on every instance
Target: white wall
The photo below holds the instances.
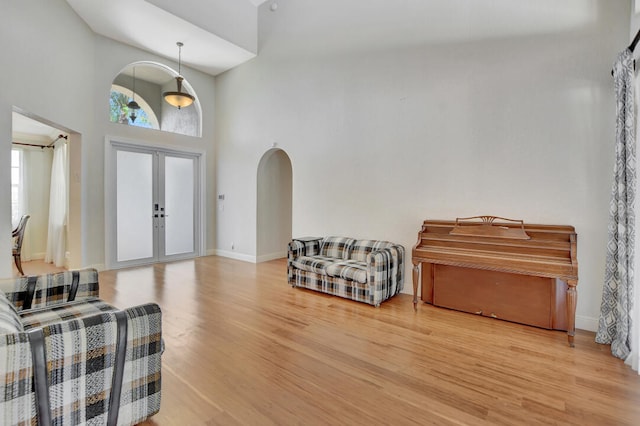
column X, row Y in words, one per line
column 635, row 21
column 47, row 70
column 395, row 113
column 56, row 68
column 38, row 167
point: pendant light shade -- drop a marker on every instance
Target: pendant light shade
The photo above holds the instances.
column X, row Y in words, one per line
column 133, row 106
column 179, row 99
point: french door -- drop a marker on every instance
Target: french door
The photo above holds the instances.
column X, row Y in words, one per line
column 155, row 194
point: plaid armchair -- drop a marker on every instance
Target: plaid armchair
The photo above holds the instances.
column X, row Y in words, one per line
column 369, row 271
column 67, row 357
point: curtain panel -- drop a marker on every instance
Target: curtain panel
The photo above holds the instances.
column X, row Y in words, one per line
column 56, row 237
column 614, row 325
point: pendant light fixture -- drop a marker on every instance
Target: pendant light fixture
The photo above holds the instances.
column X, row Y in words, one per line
column 133, row 105
column 179, row 99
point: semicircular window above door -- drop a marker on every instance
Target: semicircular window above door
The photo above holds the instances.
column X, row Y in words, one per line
column 136, row 99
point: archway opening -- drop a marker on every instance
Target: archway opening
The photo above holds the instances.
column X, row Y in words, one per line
column 35, row 141
column 274, row 205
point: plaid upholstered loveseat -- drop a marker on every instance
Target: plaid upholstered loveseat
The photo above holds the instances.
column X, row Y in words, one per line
column 368, row 271
column 68, row 358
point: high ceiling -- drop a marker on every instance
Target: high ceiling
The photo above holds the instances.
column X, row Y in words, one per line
column 145, row 24
column 203, row 26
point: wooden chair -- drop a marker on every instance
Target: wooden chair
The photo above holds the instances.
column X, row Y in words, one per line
column 18, row 236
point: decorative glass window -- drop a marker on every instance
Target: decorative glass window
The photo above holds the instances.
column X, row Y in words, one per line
column 119, row 112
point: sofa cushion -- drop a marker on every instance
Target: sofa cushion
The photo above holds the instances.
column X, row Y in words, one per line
column 316, row 264
column 361, row 248
column 349, row 270
column 9, row 318
column 336, row 247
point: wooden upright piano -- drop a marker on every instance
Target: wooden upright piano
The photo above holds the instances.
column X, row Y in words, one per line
column 500, row 268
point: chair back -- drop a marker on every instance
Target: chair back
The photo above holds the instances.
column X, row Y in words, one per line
column 18, row 233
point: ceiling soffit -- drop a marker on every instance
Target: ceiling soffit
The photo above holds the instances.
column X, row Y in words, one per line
column 148, row 27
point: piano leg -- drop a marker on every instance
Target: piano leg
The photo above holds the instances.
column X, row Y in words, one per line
column 572, row 296
column 416, row 277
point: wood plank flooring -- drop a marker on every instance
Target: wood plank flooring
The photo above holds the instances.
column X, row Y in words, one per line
column 244, row 348
column 36, row 267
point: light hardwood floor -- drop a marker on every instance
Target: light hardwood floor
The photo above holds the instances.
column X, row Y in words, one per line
column 244, row 348
column 36, row 267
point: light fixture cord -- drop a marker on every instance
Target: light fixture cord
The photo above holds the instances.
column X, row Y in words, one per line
column 179, row 58
column 134, row 84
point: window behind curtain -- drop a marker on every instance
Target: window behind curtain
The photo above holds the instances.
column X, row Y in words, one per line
column 17, row 186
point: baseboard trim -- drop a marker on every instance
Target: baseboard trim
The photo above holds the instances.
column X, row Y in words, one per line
column 98, row 266
column 236, row 256
column 36, row 256
column 586, row 323
column 271, row 256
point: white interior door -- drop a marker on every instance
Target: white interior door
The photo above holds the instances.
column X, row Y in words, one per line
column 157, row 206
column 135, row 189
column 176, row 224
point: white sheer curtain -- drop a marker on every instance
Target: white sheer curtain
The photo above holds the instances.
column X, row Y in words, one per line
column 57, row 235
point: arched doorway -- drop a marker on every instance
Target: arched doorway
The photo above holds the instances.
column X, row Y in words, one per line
column 274, row 215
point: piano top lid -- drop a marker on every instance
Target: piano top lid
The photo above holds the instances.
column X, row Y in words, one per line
column 486, row 226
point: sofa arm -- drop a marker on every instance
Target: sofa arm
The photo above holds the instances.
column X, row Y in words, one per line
column 400, row 269
column 306, row 246
column 83, row 351
column 141, row 382
column 385, row 268
column 50, row 289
